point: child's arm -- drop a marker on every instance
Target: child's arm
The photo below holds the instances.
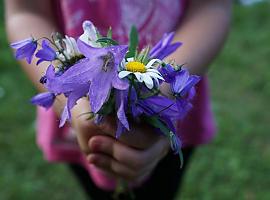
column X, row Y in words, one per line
column 30, row 17
column 203, row 32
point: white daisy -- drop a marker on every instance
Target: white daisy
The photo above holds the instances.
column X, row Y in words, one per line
column 143, row 73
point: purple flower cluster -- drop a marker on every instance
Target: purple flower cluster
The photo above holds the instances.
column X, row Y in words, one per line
column 90, row 67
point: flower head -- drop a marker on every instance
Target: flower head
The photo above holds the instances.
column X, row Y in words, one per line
column 143, row 73
column 168, row 72
column 46, row 53
column 164, row 47
column 184, row 82
column 25, row 49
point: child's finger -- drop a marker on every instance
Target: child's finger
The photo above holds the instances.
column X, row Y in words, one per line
column 131, row 157
column 112, row 166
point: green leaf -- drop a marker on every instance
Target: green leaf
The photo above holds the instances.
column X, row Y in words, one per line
column 155, row 122
column 181, row 158
column 109, row 33
column 133, row 42
column 107, row 41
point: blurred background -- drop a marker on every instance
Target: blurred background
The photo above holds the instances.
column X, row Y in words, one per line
column 235, row 166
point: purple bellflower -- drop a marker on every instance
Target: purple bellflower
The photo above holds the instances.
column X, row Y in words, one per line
column 46, row 53
column 45, row 99
column 94, row 75
column 164, row 47
column 183, row 89
column 168, row 73
column 25, row 49
column 184, row 82
column 105, row 75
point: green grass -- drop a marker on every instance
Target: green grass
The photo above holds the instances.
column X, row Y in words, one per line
column 235, row 166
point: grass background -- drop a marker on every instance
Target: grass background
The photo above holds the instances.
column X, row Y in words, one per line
column 235, row 166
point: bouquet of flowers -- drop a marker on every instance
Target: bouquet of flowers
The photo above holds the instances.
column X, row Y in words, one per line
column 120, row 80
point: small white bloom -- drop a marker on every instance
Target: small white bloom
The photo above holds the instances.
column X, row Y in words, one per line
column 143, row 73
column 90, row 34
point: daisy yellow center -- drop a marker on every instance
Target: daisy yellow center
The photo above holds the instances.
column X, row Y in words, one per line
column 135, row 66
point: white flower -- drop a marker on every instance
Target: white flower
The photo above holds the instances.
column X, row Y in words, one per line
column 90, row 34
column 71, row 47
column 143, row 73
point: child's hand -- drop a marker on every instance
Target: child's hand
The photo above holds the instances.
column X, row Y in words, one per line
column 123, row 161
column 133, row 156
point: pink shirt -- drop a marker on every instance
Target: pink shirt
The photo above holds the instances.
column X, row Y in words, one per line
column 153, row 18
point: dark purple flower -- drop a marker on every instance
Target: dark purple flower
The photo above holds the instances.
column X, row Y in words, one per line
column 46, row 53
column 45, row 99
column 25, row 49
column 164, row 47
column 136, row 110
column 183, row 106
column 184, row 82
column 160, row 106
column 168, row 73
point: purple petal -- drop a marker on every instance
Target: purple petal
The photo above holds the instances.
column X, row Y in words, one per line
column 164, row 47
column 79, row 75
column 45, row 99
column 89, row 51
column 72, row 98
column 168, row 50
column 192, row 81
column 121, row 104
column 120, row 129
column 180, row 81
column 168, row 73
column 183, row 107
column 64, row 117
column 19, row 44
column 27, row 51
column 99, row 91
column 46, row 53
column 120, row 84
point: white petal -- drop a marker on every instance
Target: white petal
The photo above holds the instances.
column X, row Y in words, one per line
column 156, row 80
column 139, row 76
column 130, row 59
column 153, row 70
column 123, row 74
column 74, row 45
column 89, row 35
column 154, row 75
column 148, row 81
column 90, row 30
column 122, row 65
column 152, row 62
